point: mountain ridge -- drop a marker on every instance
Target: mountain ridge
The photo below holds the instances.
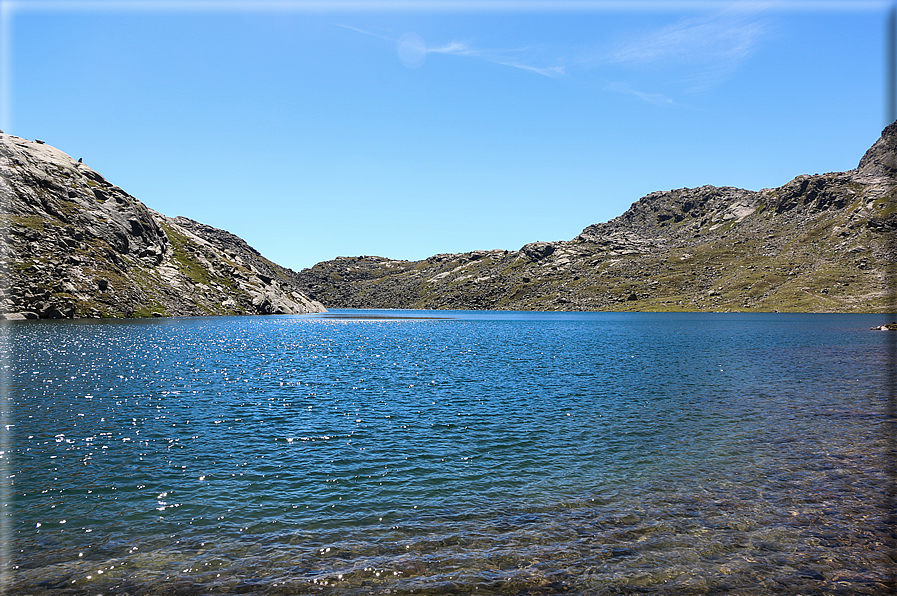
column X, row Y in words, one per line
column 821, row 242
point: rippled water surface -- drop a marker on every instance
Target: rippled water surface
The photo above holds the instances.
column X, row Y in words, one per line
column 392, row 452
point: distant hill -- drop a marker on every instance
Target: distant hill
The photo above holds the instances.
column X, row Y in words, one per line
column 75, row 245
column 821, row 243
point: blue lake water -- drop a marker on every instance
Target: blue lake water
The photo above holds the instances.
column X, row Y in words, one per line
column 391, row 452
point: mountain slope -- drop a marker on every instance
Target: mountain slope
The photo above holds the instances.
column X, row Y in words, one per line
column 75, row 245
column 822, row 243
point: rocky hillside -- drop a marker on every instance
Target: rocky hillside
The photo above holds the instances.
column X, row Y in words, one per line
column 75, row 245
column 821, row 243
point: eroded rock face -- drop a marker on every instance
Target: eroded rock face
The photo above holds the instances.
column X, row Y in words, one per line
column 75, row 245
column 537, row 251
column 879, row 164
column 818, row 243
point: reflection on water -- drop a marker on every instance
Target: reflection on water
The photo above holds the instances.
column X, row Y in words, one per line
column 401, row 451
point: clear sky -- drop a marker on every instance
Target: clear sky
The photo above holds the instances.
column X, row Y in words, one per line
column 406, row 129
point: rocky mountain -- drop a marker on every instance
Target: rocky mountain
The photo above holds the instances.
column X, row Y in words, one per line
column 820, row 243
column 75, row 245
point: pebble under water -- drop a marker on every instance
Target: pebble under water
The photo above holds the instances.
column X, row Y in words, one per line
column 433, row 452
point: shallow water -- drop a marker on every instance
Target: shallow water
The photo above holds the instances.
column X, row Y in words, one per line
column 450, row 452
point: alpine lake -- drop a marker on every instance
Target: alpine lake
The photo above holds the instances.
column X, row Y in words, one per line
column 449, row 452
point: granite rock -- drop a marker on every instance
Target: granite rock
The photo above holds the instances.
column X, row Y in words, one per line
column 75, row 245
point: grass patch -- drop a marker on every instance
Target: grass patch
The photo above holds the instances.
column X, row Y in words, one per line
column 147, row 311
column 181, row 256
column 34, row 222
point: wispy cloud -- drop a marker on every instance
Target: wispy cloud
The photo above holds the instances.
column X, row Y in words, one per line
column 548, row 71
column 715, row 43
column 719, row 37
column 362, row 31
column 697, row 52
column 655, row 98
column 514, row 58
column 693, row 54
column 456, row 48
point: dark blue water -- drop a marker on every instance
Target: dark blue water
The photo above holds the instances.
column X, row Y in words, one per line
column 449, row 452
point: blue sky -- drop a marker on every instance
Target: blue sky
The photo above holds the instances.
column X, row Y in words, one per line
column 316, row 130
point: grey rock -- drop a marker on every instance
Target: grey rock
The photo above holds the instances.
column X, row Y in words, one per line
column 67, row 228
column 13, row 316
column 537, row 251
column 880, row 161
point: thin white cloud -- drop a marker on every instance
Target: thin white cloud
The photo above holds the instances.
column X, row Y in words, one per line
column 456, row 48
column 694, row 53
column 513, row 58
column 516, row 58
column 549, row 71
column 362, row 31
column 654, row 98
column 727, row 36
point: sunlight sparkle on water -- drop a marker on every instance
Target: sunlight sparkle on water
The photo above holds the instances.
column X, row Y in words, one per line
column 494, row 450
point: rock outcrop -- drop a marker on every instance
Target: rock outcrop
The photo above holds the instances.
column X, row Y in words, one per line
column 822, row 243
column 75, row 245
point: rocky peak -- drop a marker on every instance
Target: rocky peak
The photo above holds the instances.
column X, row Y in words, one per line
column 879, row 164
column 664, row 217
column 39, row 180
column 76, row 245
